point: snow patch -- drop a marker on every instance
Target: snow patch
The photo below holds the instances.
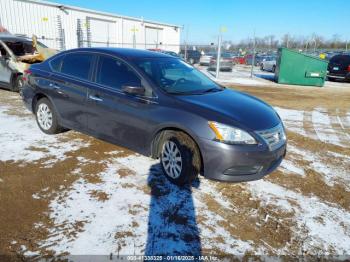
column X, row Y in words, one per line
column 329, row 232
column 290, row 167
column 323, row 127
column 292, row 119
column 31, row 144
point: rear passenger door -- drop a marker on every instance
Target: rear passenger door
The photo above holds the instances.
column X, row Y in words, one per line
column 68, row 87
column 114, row 115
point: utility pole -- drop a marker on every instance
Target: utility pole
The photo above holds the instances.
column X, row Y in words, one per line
column 253, row 56
column 186, row 42
column 223, row 29
column 134, row 30
column 315, row 45
column 218, row 57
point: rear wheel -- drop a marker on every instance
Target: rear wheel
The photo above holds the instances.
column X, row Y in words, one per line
column 46, row 117
column 180, row 158
column 274, row 69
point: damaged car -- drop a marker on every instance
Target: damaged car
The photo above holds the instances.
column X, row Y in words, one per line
column 16, row 55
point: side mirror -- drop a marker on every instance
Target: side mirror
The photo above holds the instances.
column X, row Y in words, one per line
column 134, row 90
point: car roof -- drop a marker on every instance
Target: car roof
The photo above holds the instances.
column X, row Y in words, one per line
column 343, row 57
column 122, row 52
column 12, row 38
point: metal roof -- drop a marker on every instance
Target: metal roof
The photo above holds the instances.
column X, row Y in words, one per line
column 62, row 6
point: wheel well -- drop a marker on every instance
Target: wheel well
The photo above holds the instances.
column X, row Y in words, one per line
column 36, row 98
column 155, row 149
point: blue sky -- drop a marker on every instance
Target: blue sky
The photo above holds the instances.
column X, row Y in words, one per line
column 203, row 18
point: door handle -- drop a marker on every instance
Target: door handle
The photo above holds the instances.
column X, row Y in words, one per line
column 95, row 98
column 57, row 88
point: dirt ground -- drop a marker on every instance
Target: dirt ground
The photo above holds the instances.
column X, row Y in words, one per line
column 73, row 194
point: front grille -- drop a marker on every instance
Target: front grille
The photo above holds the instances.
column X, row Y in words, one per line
column 274, row 137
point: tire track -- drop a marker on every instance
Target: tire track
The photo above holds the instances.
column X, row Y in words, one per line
column 308, row 126
column 324, row 127
column 340, row 128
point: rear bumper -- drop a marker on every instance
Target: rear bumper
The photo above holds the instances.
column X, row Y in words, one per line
column 222, row 67
column 204, row 62
column 237, row 163
column 27, row 97
column 338, row 76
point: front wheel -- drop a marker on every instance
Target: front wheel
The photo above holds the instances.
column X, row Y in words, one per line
column 46, row 117
column 180, row 158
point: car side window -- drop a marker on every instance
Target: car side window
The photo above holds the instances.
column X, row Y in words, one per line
column 56, row 63
column 77, row 65
column 115, row 74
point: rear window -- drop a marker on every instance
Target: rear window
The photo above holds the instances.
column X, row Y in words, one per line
column 77, row 65
column 339, row 59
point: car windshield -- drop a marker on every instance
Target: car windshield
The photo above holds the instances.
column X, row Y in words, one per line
column 176, row 77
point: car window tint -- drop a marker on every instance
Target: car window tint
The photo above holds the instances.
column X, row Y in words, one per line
column 77, row 65
column 56, row 63
column 146, row 67
column 114, row 73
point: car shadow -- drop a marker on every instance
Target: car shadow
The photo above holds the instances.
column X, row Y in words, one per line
column 172, row 226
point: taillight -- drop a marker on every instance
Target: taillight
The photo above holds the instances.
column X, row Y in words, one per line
column 348, row 68
column 26, row 74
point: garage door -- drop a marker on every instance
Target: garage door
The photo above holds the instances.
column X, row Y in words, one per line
column 101, row 32
column 153, row 37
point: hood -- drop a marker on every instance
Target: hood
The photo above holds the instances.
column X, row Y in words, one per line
column 236, row 108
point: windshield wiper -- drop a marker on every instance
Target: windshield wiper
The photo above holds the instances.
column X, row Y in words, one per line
column 198, row 92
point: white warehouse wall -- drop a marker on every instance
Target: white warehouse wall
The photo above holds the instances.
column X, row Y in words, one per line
column 28, row 17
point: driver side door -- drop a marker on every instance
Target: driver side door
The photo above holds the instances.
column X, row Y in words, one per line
column 116, row 116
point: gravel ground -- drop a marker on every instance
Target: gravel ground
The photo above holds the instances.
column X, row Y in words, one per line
column 71, row 194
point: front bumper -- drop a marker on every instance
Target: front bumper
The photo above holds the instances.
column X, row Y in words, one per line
column 237, row 163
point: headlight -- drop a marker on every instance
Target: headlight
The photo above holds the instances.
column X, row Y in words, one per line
column 230, row 134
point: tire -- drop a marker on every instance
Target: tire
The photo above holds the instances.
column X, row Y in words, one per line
column 331, row 79
column 273, row 69
column 262, row 67
column 17, row 84
column 47, row 123
column 179, row 157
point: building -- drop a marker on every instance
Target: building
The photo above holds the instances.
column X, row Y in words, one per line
column 65, row 27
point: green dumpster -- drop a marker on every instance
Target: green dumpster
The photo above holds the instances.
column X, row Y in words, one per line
column 295, row 68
